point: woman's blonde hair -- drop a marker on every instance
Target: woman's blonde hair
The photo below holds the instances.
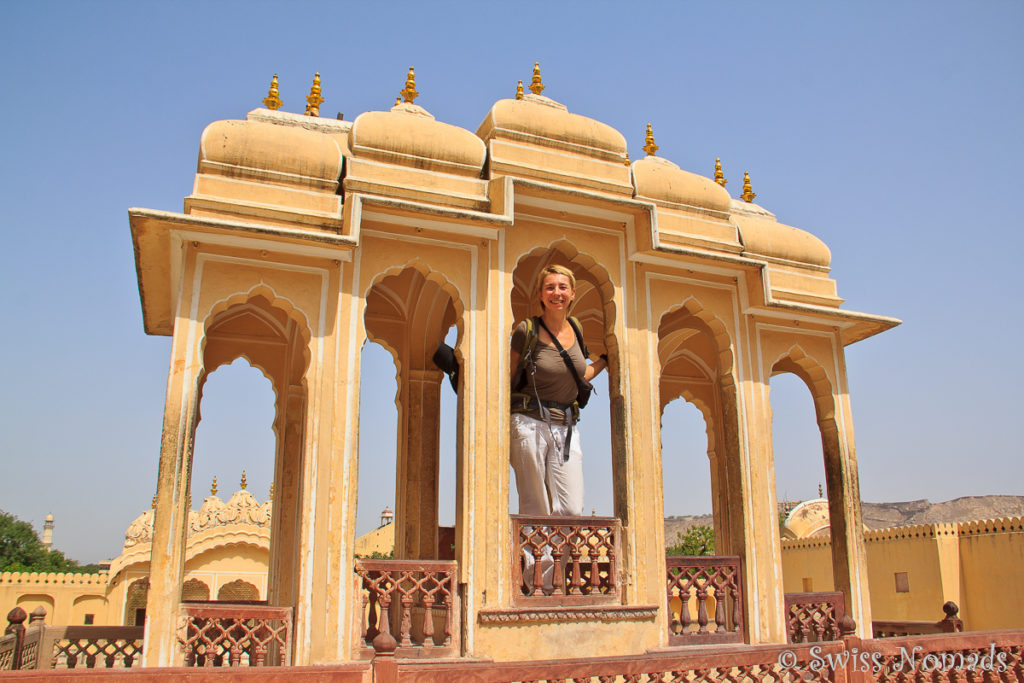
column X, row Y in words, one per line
column 554, row 269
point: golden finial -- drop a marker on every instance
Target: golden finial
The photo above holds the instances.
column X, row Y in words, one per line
column 271, row 490
column 244, row 482
column 154, row 501
column 273, row 100
column 536, row 87
column 719, row 176
column 519, row 91
column 409, row 91
column 649, row 145
column 627, row 162
column 748, row 195
column 313, row 99
column 398, row 100
column 213, row 489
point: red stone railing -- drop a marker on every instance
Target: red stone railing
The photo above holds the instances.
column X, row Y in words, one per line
column 768, row 663
column 414, row 601
column 815, row 617
column 946, row 658
column 698, row 587
column 39, row 646
column 564, row 561
column 951, row 623
column 235, row 634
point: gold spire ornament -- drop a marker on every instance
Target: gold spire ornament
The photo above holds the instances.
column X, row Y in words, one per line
column 409, row 91
column 154, row 501
column 271, row 491
column 519, row 91
column 244, row 482
column 213, row 488
column 536, row 87
column 313, row 99
column 627, row 161
column 649, row 145
column 748, row 195
column 719, row 176
column 398, row 100
column 273, row 98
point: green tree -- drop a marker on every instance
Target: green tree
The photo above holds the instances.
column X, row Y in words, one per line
column 22, row 551
column 698, row 540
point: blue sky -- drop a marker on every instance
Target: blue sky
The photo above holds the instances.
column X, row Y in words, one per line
column 890, row 130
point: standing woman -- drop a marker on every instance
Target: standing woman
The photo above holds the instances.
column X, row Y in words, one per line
column 544, row 440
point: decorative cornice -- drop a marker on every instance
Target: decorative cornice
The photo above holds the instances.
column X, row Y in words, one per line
column 565, row 614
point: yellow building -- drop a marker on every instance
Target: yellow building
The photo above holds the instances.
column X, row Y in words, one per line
column 227, row 550
column 303, row 237
column 914, row 570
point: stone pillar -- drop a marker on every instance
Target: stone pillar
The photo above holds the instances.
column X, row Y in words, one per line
column 170, row 522
column 849, row 558
column 282, row 571
column 419, row 428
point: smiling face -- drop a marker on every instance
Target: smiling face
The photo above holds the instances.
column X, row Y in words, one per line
column 556, row 292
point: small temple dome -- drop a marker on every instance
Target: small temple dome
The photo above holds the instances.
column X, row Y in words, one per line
column 539, row 116
column 762, row 235
column 291, row 150
column 410, row 136
column 662, row 180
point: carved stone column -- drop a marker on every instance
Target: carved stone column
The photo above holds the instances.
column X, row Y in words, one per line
column 416, row 507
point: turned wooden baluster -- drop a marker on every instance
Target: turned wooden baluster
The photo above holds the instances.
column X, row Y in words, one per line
column 406, row 630
column 684, row 609
column 737, row 608
column 702, row 608
column 384, row 626
column 372, row 617
column 449, row 607
column 719, row 608
column 558, row 571
column 428, row 621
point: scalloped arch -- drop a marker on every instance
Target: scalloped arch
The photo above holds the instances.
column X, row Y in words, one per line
column 813, row 375
column 711, row 325
column 430, row 275
column 705, row 411
column 582, row 261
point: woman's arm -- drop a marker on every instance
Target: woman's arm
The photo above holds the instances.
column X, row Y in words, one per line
column 595, row 368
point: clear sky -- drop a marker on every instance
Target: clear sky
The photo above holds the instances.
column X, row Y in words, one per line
column 892, row 130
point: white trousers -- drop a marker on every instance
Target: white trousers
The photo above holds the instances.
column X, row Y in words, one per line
column 547, row 483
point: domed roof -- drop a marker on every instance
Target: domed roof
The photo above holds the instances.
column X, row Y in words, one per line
column 536, row 115
column 409, row 135
column 763, row 235
column 257, row 145
column 661, row 180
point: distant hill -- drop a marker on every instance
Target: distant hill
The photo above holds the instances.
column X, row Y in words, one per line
column 882, row 515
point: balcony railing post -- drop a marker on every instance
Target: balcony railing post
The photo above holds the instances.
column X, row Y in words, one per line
column 16, row 627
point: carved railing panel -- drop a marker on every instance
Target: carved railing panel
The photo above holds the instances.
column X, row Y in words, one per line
column 764, row 664
column 90, row 647
column 219, row 634
column 704, row 591
column 565, row 560
column 414, row 601
column 814, row 617
column 946, row 658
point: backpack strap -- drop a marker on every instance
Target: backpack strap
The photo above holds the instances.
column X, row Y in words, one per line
column 578, row 329
column 526, row 353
